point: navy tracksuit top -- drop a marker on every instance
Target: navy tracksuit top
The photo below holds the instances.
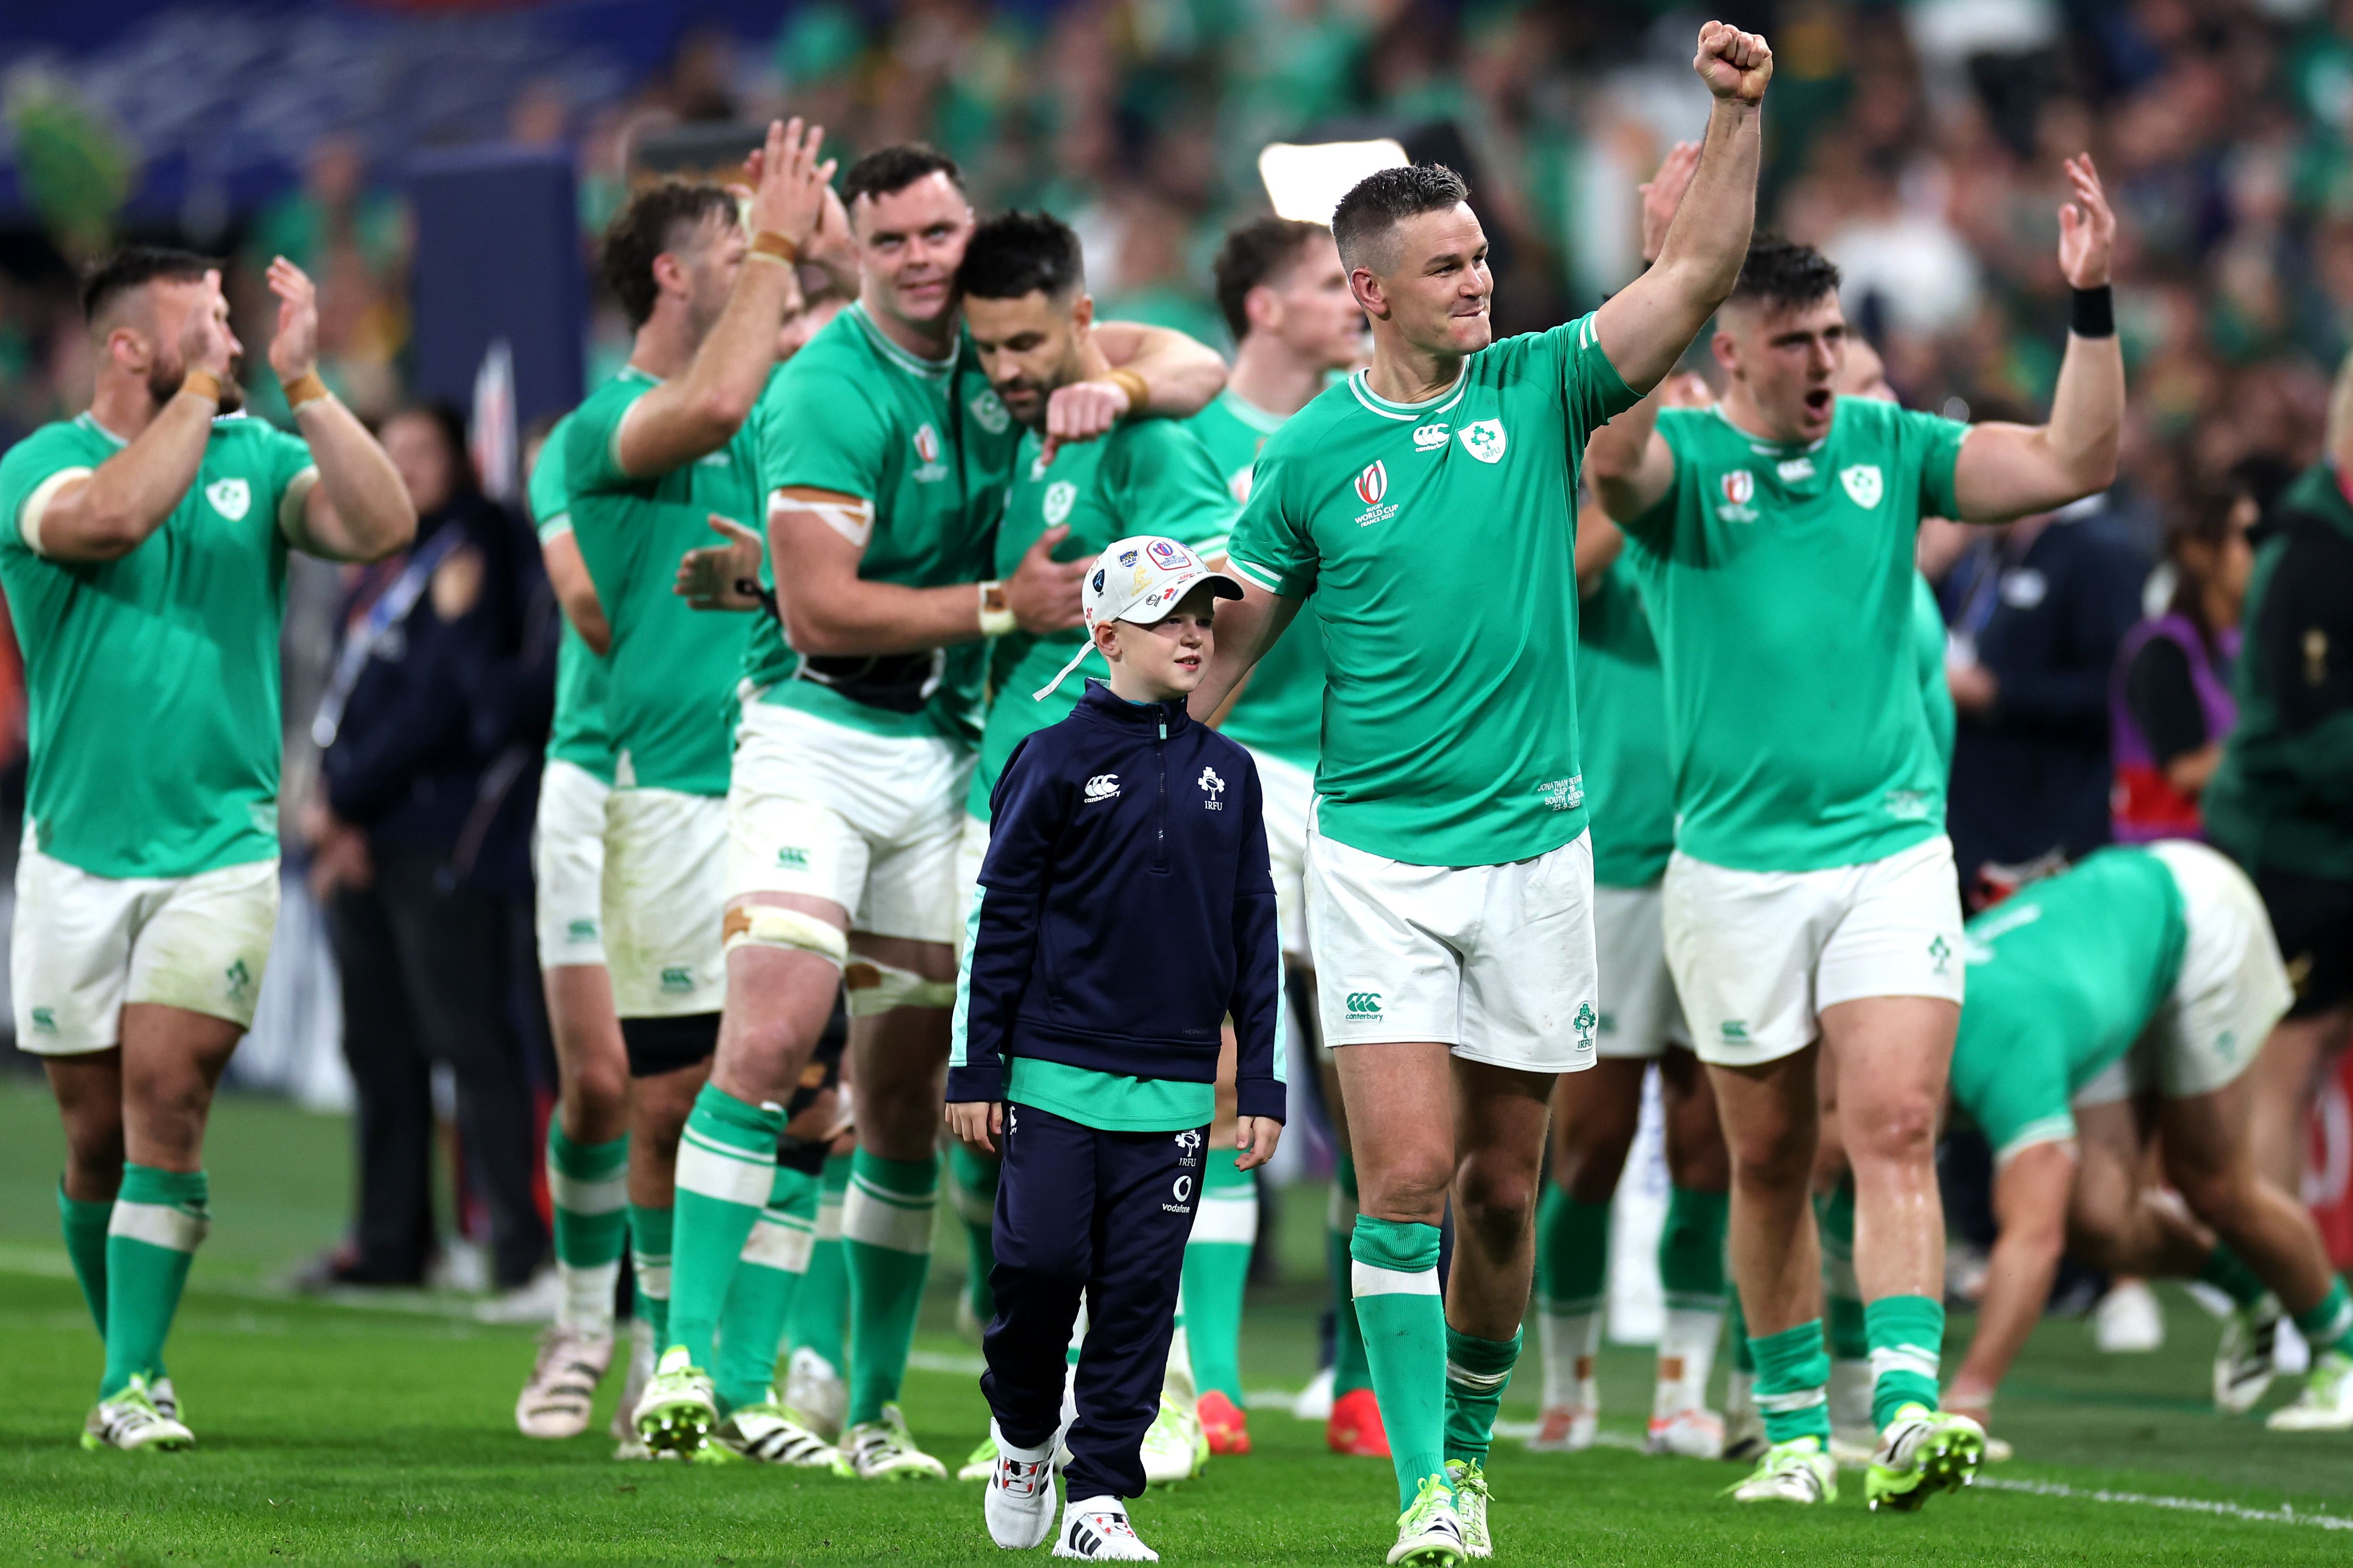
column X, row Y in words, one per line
column 1125, row 908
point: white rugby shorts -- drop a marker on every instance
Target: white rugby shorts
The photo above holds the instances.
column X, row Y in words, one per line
column 1288, row 792
column 2232, row 990
column 567, row 866
column 1757, row 955
column 84, row 945
column 665, row 896
column 1496, row 961
column 1639, row 1015
column 869, row 822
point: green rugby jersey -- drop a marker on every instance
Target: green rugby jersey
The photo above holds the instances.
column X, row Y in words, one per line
column 671, row 671
column 1621, row 715
column 151, row 681
column 929, row 444
column 1149, row 476
column 1936, row 692
column 577, row 734
column 2063, row 978
column 1281, row 709
column 1438, row 540
column 1780, row 580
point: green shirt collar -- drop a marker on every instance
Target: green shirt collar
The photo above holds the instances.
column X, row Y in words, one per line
column 915, row 364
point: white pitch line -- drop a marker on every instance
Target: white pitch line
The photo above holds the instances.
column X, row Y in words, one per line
column 2282, row 1515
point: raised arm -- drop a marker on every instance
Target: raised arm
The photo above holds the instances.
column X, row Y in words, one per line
column 819, row 538
column 359, row 510
column 109, row 512
column 1627, row 464
column 2013, row 470
column 1246, row 628
column 1646, row 326
column 700, row 411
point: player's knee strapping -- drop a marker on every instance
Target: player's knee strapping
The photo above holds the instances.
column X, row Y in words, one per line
column 765, row 925
column 874, row 988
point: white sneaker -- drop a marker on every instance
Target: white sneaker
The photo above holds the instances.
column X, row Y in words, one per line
column 679, row 1409
column 1796, row 1471
column 816, row 1393
column 768, row 1433
column 1019, row 1507
column 2244, row 1359
column 555, row 1398
column 1744, row 1424
column 1175, row 1446
column 1468, row 1478
column 2326, row 1403
column 1568, row 1428
column 1097, row 1531
column 1429, row 1532
column 885, row 1450
column 1695, row 1433
column 165, row 1398
column 131, row 1422
column 1314, row 1401
column 2128, row 1321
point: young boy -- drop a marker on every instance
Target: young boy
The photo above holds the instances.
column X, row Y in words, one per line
column 1125, row 910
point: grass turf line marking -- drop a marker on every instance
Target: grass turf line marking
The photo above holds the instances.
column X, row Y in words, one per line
column 2282, row 1515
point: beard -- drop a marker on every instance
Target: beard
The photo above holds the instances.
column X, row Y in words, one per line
column 163, row 379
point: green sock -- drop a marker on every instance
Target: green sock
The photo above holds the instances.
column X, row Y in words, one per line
column 972, row 1179
column 588, row 1187
column 726, row 1169
column 1690, row 1248
column 1572, row 1253
column 85, row 1229
column 1793, row 1375
column 2327, row 1327
column 1735, row 1324
column 886, row 1244
column 1907, row 1336
column 2224, row 1272
column 1841, row 1294
column 1216, row 1272
column 1350, row 1370
column 1476, row 1371
column 821, row 1306
column 650, row 1241
column 775, row 1256
column 1395, row 1271
column 151, row 1238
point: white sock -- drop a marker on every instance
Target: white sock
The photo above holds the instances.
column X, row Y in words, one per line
column 1686, row 1356
column 1850, row 1388
column 586, row 1304
column 1571, row 1341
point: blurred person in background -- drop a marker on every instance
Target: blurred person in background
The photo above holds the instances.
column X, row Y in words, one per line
column 2170, row 707
column 410, row 835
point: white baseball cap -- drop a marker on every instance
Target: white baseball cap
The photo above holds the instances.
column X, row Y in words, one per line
column 1141, row 580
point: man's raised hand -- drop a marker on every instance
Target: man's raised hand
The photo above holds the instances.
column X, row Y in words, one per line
column 1662, row 194
column 294, row 348
column 206, row 342
column 1734, row 64
column 2088, row 229
column 788, row 185
column 1043, row 593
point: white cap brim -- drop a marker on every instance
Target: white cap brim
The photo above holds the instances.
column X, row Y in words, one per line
column 1221, row 584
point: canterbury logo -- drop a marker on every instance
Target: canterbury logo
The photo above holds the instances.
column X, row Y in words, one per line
column 1103, row 786
column 1364, row 1004
column 1372, row 484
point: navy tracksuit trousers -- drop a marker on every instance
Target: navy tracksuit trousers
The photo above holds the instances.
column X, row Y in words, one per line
column 1082, row 1212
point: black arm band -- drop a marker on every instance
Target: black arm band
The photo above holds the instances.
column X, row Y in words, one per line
column 2091, row 312
column 767, row 597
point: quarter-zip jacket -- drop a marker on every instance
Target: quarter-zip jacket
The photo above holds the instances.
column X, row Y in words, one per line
column 1125, row 908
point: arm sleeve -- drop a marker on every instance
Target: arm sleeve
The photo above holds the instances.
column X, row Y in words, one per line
column 590, row 467
column 2301, row 652
column 2163, row 699
column 2015, row 1090
column 1000, row 944
column 35, row 469
column 1167, row 483
column 1594, row 390
column 293, row 472
column 819, row 432
column 1938, row 441
column 1260, row 1069
column 1271, row 545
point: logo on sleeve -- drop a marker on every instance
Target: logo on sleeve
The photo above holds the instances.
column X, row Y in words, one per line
column 1060, row 496
column 1483, row 439
column 929, row 468
column 230, row 497
column 1103, row 786
column 1863, row 484
column 1213, row 786
column 1372, row 484
column 1740, row 487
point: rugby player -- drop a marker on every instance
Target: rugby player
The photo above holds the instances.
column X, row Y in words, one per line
column 2119, row 1003
column 885, row 458
column 1286, row 299
column 144, row 561
column 1810, row 897
column 1428, row 504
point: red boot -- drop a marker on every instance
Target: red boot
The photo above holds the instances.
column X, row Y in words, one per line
column 1226, row 1425
column 1356, row 1426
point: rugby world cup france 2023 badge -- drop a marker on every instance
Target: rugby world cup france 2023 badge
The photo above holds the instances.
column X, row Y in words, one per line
column 1372, row 484
column 1738, row 487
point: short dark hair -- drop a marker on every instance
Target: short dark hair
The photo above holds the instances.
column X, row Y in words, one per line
column 1783, row 274
column 1018, row 253
column 135, row 267
column 648, row 224
column 1385, row 199
column 1253, row 254
column 887, row 171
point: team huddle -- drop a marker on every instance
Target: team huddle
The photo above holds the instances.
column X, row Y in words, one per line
column 1531, row 787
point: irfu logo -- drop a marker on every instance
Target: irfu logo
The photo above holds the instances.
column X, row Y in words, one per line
column 1583, row 1022
column 1941, row 951
column 238, row 977
column 1364, row 1004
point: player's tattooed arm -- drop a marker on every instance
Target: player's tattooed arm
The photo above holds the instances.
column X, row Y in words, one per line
column 2012, row 470
column 1246, row 627
column 700, row 411
column 2030, row 1198
column 830, row 610
column 575, row 592
column 359, row 510
column 1645, row 326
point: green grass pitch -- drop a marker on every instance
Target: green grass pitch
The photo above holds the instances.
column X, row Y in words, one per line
column 331, row 1434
